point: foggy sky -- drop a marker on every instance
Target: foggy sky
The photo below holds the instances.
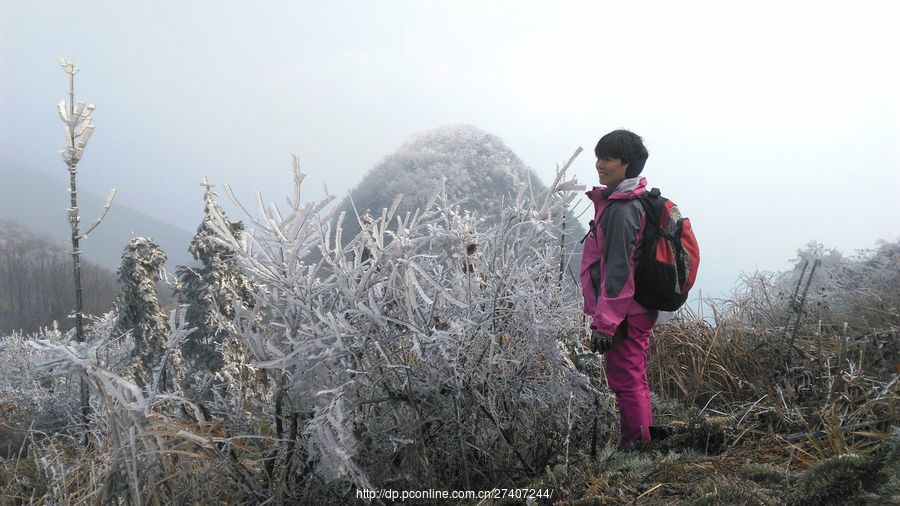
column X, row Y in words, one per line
column 770, row 125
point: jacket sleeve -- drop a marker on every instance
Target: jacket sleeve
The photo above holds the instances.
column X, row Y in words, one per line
column 622, row 224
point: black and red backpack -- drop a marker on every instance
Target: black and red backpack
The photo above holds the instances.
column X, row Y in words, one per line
column 669, row 255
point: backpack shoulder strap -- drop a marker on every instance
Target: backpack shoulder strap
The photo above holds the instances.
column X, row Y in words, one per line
column 591, row 228
column 650, row 207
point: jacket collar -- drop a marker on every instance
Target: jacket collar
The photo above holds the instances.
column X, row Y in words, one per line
column 628, row 189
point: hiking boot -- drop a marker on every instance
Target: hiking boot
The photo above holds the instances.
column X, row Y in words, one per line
column 659, row 432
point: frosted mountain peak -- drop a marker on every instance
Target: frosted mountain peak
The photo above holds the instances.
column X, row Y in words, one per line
column 480, row 170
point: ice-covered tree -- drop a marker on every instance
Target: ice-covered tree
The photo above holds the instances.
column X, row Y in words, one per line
column 79, row 126
column 210, row 290
column 137, row 308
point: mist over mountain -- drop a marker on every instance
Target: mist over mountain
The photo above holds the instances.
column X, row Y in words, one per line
column 37, row 201
column 481, row 171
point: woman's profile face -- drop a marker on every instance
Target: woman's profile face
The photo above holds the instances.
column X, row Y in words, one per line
column 611, row 172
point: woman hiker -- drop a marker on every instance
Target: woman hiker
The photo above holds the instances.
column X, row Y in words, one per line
column 620, row 327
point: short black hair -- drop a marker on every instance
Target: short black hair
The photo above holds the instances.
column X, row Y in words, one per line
column 625, row 145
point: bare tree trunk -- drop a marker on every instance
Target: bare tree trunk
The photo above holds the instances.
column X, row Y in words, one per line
column 76, row 255
column 76, row 260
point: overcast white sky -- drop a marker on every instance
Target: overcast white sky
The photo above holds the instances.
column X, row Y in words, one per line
column 771, row 124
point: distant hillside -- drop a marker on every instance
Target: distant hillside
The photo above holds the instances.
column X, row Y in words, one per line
column 38, row 201
column 36, row 282
column 478, row 166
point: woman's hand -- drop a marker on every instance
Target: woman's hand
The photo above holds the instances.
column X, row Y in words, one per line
column 600, row 342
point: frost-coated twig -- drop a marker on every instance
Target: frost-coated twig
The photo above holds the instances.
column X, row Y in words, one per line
column 103, row 210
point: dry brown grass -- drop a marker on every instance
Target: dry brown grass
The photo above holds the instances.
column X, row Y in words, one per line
column 841, row 392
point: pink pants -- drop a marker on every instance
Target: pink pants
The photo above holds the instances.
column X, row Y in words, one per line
column 626, row 371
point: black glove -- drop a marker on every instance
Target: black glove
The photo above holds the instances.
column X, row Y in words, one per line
column 600, row 342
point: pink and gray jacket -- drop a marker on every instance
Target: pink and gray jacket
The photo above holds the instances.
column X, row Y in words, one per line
column 610, row 252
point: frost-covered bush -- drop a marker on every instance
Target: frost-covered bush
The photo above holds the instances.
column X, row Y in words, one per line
column 140, row 447
column 422, row 351
column 36, row 398
column 862, row 291
column 29, row 399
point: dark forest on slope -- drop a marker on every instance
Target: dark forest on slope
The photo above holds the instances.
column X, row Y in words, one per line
column 36, row 284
